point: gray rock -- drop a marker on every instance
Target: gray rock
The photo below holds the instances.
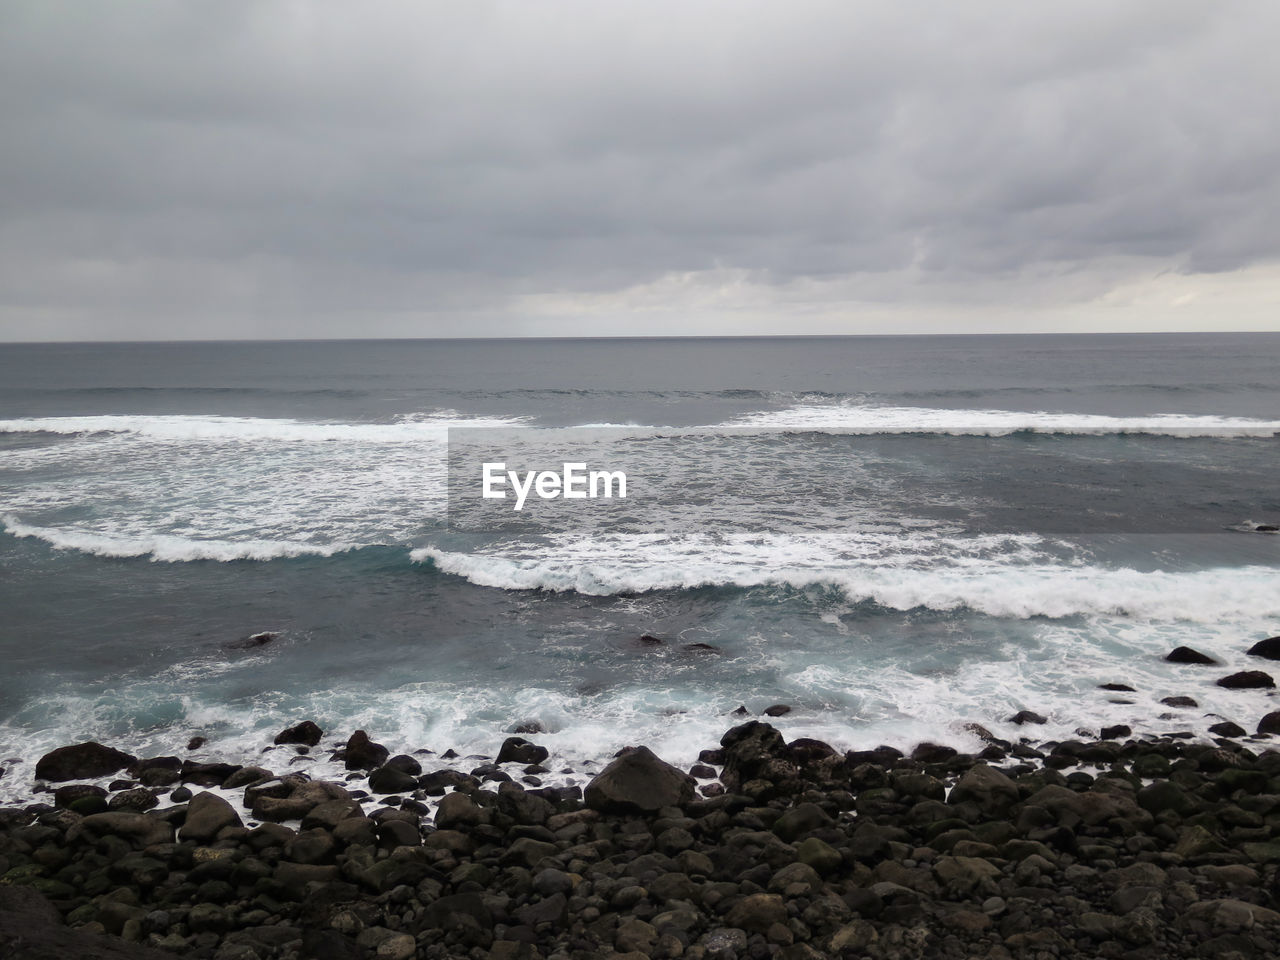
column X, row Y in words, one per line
column 208, row 813
column 81, row 761
column 638, row 782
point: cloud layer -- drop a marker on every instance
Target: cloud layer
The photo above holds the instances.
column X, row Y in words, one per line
column 386, row 168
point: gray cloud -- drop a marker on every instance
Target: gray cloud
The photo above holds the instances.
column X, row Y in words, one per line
column 328, row 168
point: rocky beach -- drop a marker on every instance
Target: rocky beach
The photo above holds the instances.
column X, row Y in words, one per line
column 1110, row 845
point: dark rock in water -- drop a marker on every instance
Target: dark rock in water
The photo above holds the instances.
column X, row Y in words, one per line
column 1227, row 729
column 81, row 761
column 638, row 782
column 180, row 795
column 701, row 648
column 806, row 750
column 711, row 756
column 519, row 750
column 1268, row 649
column 526, row 726
column 1026, row 716
column 405, row 764
column 649, row 640
column 307, row 733
column 207, row 774
column 195, row 743
column 1117, row 687
column 1187, row 655
column 1270, row 723
column 1185, row 702
column 254, row 640
column 742, row 711
column 777, row 710
column 979, row 731
column 1248, row 680
column 363, row 754
column 1267, row 528
column 66, row 796
column 701, row 771
column 450, row 754
column 932, row 753
column 1119, row 730
column 388, row 779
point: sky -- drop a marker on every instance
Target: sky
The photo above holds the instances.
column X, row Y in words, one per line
column 324, row 169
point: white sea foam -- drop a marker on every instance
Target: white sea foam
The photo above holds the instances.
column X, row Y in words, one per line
column 171, row 549
column 994, row 586
column 182, row 427
column 847, row 418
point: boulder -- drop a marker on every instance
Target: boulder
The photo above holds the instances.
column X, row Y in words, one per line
column 306, row 732
column 207, row 814
column 991, row 790
column 1026, row 716
column 639, row 782
column 1248, row 680
column 1227, row 729
column 519, row 750
column 1188, row 655
column 363, row 754
column 777, row 710
column 1270, row 723
column 1268, row 649
column 800, row 821
column 1117, row 687
column 81, row 761
column 1184, row 702
column 142, row 829
column 388, row 779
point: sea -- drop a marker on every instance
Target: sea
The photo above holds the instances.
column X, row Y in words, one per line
column 896, row 538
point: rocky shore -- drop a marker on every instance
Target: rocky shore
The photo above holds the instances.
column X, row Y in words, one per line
column 1126, row 847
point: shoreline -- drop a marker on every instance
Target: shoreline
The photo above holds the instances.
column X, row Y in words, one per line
column 1127, row 847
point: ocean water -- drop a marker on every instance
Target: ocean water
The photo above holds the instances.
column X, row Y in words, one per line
column 893, row 536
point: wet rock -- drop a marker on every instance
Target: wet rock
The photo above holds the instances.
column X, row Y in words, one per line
column 1026, row 716
column 254, row 640
column 991, row 790
column 207, row 814
column 388, row 779
column 1188, row 655
column 1116, row 732
column 361, row 753
column 81, row 761
column 638, row 782
column 519, row 750
column 67, row 795
column 207, row 774
column 701, row 648
column 139, row 799
column 195, row 743
column 1183, row 702
column 1268, row 649
column 307, row 732
column 1117, row 687
column 777, row 710
column 1268, row 724
column 1248, row 680
column 1227, row 729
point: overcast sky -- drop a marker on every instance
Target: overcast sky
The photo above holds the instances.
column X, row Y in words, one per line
column 335, row 169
